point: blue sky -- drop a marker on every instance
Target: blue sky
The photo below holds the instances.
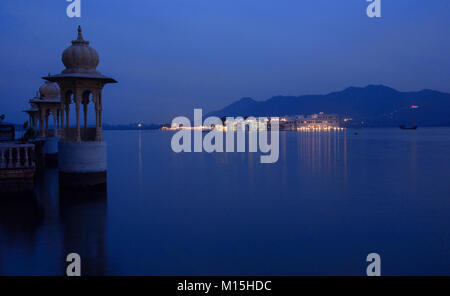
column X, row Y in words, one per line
column 171, row 56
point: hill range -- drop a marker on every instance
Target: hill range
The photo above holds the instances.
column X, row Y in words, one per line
column 373, row 105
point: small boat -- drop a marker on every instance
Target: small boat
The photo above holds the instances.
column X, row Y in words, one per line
column 412, row 127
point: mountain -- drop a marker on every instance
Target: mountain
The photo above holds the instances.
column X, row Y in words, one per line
column 373, row 105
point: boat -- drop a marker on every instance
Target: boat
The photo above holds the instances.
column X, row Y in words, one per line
column 412, row 127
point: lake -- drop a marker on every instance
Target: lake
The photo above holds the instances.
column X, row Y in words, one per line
column 330, row 200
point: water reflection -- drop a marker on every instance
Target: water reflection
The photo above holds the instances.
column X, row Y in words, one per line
column 323, row 153
column 140, row 166
column 226, row 213
column 83, row 219
column 77, row 219
column 20, row 220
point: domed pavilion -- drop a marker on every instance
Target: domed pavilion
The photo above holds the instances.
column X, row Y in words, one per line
column 46, row 103
column 82, row 151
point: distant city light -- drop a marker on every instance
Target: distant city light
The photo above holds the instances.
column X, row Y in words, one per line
column 314, row 122
column 319, row 128
column 414, row 107
column 139, row 125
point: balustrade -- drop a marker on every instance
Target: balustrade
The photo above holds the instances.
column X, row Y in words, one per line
column 17, row 156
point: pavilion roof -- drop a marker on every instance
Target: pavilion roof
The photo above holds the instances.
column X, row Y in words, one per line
column 68, row 76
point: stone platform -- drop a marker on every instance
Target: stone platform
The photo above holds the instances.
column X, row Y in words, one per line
column 82, row 164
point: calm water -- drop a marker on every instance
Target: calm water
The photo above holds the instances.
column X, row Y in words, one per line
column 331, row 199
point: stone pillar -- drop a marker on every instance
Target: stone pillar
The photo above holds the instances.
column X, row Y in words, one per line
column 98, row 117
column 67, row 116
column 33, row 122
column 85, row 111
column 55, row 127
column 46, row 122
column 57, row 118
column 62, row 120
column 100, row 120
column 41, row 123
column 77, row 109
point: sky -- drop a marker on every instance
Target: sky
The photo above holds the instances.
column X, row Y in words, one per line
column 171, row 56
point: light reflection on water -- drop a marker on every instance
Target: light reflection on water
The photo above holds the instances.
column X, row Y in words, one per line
column 331, row 199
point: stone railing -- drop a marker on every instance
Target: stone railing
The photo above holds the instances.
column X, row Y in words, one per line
column 17, row 156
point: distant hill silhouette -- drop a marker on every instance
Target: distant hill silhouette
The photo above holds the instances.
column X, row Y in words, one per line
column 374, row 105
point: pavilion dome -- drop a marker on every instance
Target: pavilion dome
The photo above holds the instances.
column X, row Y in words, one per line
column 49, row 91
column 80, row 57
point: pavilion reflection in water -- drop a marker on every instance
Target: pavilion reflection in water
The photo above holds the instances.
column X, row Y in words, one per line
column 83, row 218
column 75, row 217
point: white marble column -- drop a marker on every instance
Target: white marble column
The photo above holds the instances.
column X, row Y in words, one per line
column 77, row 109
column 33, row 122
column 98, row 117
column 85, row 111
column 41, row 122
column 55, row 126
column 62, row 133
column 47, row 114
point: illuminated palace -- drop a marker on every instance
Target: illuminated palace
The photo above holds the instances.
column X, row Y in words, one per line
column 319, row 121
column 314, row 122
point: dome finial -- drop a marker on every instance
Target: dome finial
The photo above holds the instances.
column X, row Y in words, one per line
column 80, row 34
column 80, row 40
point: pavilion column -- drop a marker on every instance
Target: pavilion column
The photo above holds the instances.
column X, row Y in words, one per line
column 98, row 117
column 46, row 122
column 77, row 109
column 33, row 121
column 61, row 113
column 67, row 107
column 58, row 122
column 85, row 110
column 41, row 123
column 55, row 127
column 57, row 119
column 100, row 124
